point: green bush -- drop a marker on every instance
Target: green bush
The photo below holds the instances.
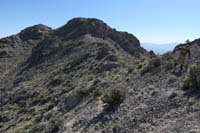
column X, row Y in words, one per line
column 152, row 65
column 172, row 78
column 186, row 83
column 37, row 118
column 195, row 76
column 54, row 125
column 116, row 97
column 98, row 92
column 83, row 92
column 145, row 70
column 20, row 131
column 139, row 66
column 168, row 65
column 96, row 81
column 192, row 81
column 155, row 61
column 23, row 111
column 38, row 128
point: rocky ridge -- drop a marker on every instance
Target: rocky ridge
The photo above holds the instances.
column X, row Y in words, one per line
column 50, row 78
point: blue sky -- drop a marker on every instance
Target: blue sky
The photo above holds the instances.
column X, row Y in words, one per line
column 156, row 21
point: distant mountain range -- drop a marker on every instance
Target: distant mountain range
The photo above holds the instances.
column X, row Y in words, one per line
column 159, row 48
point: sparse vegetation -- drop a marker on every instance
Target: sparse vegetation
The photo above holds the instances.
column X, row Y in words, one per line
column 96, row 81
column 195, row 76
column 152, row 65
column 22, row 111
column 155, row 61
column 192, row 81
column 115, row 98
column 172, row 78
column 37, row 118
column 186, row 83
column 168, row 65
column 38, row 128
column 83, row 92
column 20, row 131
column 98, row 92
column 72, row 79
column 54, row 125
column 55, row 82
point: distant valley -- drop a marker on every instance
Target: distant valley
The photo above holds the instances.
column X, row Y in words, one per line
column 159, row 48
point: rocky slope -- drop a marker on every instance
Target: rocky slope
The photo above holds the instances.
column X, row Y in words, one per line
column 51, row 77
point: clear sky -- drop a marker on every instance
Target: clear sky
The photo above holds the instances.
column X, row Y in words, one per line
column 156, row 21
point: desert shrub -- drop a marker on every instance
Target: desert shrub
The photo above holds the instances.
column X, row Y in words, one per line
column 83, row 92
column 96, row 81
column 31, row 111
column 38, row 128
column 195, row 76
column 145, row 70
column 1, row 125
column 54, row 125
column 132, row 67
column 139, row 66
column 186, row 83
column 172, row 78
column 192, row 81
column 55, row 82
column 168, row 65
column 28, row 126
column 152, row 65
column 155, row 61
column 98, row 92
column 116, row 97
column 22, row 111
column 21, row 130
column 37, row 118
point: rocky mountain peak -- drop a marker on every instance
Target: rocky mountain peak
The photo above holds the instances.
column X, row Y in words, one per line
column 81, row 26
column 35, row 32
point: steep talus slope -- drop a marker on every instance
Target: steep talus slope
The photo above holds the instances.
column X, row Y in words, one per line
column 155, row 104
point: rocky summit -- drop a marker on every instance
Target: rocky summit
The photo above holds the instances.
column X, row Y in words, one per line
column 88, row 77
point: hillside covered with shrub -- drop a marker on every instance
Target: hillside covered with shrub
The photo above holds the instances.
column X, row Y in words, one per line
column 88, row 77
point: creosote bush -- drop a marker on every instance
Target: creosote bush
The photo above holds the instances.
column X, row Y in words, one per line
column 98, row 92
column 192, row 81
column 54, row 125
column 83, row 92
column 152, row 65
column 172, row 78
column 115, row 98
column 155, row 61
column 38, row 128
column 169, row 65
